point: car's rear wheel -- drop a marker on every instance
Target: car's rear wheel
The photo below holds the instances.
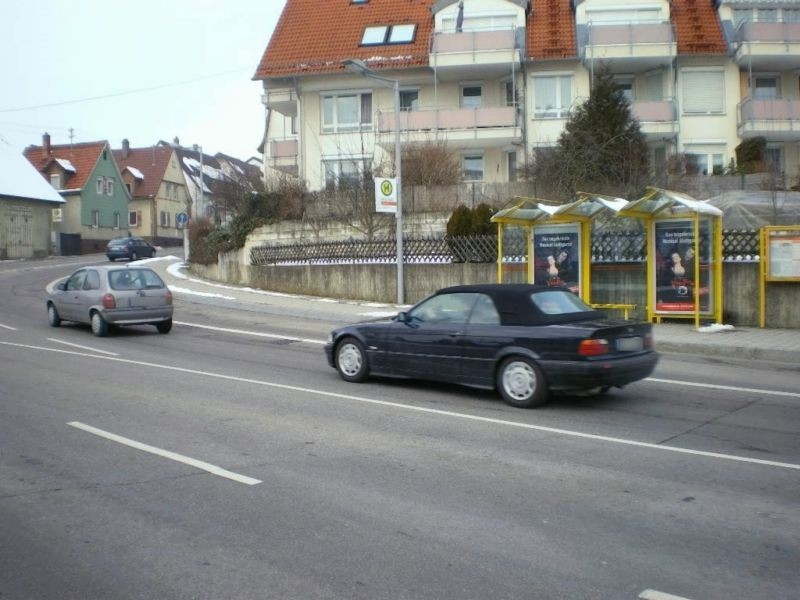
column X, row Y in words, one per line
column 99, row 325
column 53, row 317
column 351, row 360
column 164, row 326
column 134, row 256
column 112, row 259
column 521, row 383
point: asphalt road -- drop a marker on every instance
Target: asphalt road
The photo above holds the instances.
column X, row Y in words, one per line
column 213, row 463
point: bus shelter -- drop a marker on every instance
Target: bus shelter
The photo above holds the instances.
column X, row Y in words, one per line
column 684, row 255
column 558, row 239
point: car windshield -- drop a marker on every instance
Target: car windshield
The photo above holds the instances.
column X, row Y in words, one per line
column 134, row 279
column 559, row 303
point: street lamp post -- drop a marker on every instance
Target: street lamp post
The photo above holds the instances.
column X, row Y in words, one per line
column 357, row 66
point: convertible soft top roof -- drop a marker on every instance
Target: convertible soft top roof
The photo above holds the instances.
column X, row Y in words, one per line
column 515, row 306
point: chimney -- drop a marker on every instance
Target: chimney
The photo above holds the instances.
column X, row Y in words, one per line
column 176, row 141
column 46, row 143
column 126, row 147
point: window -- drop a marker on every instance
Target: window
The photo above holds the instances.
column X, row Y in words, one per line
column 552, row 96
column 100, row 185
column 625, row 87
column 129, row 187
column 473, row 167
column 648, row 14
column 409, row 99
column 510, row 93
column 55, row 180
column 76, row 281
column 346, row 112
column 705, row 160
column 703, row 92
column 774, row 158
column 511, row 165
column 116, row 220
column 347, row 172
column 766, row 87
column 471, row 96
column 92, row 281
column 95, row 218
column 654, row 87
column 133, row 218
column 109, row 186
column 484, row 22
column 388, row 34
column 443, row 308
column 484, row 312
column 165, row 218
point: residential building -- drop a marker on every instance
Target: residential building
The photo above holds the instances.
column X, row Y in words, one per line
column 88, row 178
column 156, row 183
column 496, row 80
column 27, row 205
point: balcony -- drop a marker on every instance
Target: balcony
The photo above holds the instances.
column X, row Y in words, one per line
column 484, row 126
column 776, row 120
column 768, row 46
column 658, row 119
column 283, row 155
column 283, row 100
column 468, row 54
column 630, row 47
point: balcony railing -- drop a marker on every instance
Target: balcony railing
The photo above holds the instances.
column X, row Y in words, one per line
column 768, row 32
column 283, row 154
column 654, row 111
column 774, row 119
column 629, row 34
column 450, row 119
column 474, row 41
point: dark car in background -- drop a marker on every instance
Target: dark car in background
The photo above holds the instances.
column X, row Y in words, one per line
column 111, row 295
column 525, row 341
column 132, row 248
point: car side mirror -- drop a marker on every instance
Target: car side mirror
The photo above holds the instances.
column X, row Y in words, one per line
column 62, row 286
column 401, row 317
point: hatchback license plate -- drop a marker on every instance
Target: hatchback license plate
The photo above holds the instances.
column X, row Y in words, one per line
column 629, row 344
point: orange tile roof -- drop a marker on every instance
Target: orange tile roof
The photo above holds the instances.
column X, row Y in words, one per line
column 152, row 162
column 697, row 27
column 315, row 36
column 551, row 30
column 83, row 157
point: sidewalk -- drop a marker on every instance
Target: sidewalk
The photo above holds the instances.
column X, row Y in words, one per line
column 779, row 345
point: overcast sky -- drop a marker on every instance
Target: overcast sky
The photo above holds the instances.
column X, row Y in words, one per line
column 199, row 55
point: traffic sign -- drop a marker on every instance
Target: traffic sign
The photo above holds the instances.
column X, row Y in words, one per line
column 181, row 219
column 385, row 194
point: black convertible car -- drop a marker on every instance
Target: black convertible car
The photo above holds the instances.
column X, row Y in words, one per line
column 525, row 340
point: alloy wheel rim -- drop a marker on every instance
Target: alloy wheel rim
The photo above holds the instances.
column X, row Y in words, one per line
column 350, row 359
column 519, row 380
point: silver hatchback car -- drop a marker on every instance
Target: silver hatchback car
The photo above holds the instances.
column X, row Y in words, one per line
column 112, row 295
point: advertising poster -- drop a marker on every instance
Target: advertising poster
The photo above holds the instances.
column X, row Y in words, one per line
column 784, row 254
column 556, row 257
column 676, row 288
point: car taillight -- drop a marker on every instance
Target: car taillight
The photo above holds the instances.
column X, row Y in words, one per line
column 168, row 297
column 593, row 347
column 109, row 301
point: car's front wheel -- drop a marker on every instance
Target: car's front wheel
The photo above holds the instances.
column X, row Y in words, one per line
column 164, row 326
column 351, row 360
column 99, row 325
column 52, row 316
column 521, row 383
column 134, row 256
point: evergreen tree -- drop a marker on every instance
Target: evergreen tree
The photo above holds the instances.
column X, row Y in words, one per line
column 601, row 148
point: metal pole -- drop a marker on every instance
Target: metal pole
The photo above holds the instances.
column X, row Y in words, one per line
column 398, row 175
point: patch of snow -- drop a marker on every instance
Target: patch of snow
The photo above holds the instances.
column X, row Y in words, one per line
column 181, row 290
column 135, row 172
column 66, row 165
column 715, row 328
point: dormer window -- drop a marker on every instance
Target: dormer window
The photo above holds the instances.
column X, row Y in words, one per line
column 55, row 180
column 379, row 35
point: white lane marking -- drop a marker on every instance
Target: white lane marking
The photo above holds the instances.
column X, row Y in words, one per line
column 656, row 380
column 199, row 464
column 422, row 409
column 728, row 388
column 656, row 595
column 8, row 327
column 83, row 347
column 246, row 332
column 182, row 290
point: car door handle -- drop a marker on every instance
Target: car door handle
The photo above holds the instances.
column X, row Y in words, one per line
column 455, row 334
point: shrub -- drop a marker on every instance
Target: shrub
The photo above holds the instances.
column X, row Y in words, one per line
column 460, row 222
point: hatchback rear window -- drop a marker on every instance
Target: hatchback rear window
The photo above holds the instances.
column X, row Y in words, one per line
column 134, row 279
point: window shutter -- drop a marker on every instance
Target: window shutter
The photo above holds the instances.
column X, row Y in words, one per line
column 703, row 92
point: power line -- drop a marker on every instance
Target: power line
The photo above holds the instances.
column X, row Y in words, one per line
column 126, row 93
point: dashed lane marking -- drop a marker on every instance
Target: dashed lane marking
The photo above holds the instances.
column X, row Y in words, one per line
column 656, row 595
column 8, row 327
column 246, row 332
column 198, row 464
column 82, row 347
